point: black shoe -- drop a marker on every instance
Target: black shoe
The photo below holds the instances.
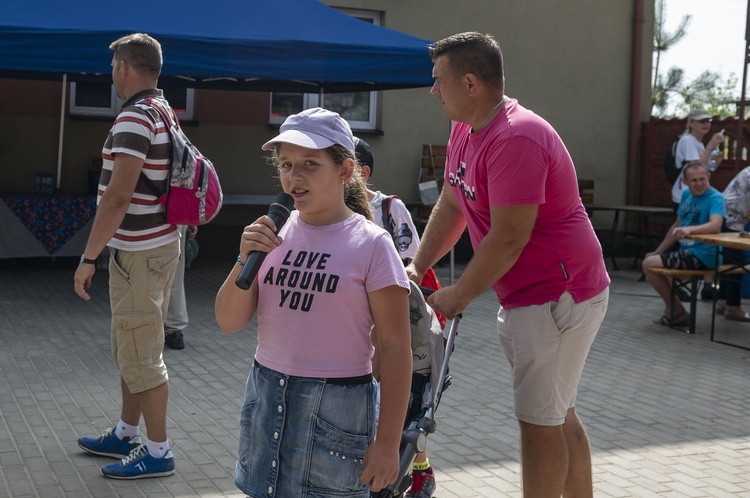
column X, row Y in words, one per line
column 707, row 292
column 174, row 340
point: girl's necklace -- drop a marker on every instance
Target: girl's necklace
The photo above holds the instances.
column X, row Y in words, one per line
column 481, row 127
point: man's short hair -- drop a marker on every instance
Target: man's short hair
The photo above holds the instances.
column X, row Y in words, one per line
column 693, row 165
column 474, row 53
column 140, row 51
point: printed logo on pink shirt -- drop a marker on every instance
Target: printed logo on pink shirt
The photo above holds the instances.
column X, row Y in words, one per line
column 457, row 180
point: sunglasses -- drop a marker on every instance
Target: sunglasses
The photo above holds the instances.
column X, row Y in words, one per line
column 707, row 120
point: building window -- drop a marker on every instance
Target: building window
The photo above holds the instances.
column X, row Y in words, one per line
column 358, row 108
column 89, row 98
column 98, row 98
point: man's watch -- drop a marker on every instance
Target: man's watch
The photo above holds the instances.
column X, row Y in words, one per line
column 84, row 259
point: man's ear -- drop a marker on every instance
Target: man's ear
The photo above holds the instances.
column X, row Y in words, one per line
column 123, row 67
column 365, row 172
column 471, row 81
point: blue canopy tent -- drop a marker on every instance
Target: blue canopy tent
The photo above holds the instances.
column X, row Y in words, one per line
column 261, row 45
column 280, row 45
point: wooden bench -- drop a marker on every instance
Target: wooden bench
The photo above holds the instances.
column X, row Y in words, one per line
column 431, row 170
column 433, row 163
column 688, row 280
column 586, row 190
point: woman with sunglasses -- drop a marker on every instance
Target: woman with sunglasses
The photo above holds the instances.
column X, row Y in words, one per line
column 691, row 148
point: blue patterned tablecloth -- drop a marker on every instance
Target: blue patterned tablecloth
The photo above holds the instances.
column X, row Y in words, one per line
column 53, row 219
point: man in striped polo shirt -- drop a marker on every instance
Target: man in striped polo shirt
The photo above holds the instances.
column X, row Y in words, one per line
column 144, row 252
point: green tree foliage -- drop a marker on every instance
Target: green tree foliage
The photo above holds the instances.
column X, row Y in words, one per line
column 670, row 94
column 664, row 89
column 711, row 92
column 663, row 40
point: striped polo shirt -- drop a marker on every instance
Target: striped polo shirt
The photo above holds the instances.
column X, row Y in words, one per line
column 140, row 132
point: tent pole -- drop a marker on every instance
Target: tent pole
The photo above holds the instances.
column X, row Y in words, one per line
column 740, row 145
column 62, row 129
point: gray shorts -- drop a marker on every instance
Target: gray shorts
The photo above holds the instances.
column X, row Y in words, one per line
column 682, row 260
column 547, row 346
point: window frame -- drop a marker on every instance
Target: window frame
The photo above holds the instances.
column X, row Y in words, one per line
column 310, row 100
column 80, row 110
column 115, row 104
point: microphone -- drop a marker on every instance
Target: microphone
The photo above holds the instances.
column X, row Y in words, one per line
column 279, row 212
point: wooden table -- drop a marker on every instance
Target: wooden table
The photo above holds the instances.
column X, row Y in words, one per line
column 643, row 211
column 731, row 240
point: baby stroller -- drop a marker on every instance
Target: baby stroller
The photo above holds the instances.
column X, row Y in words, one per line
column 431, row 352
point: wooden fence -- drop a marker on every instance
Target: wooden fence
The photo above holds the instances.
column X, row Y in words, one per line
column 658, row 136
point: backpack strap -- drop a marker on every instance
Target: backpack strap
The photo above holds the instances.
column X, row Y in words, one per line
column 674, row 154
column 168, row 116
column 169, row 120
column 385, row 209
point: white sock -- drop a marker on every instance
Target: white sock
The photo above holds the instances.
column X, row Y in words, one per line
column 157, row 450
column 123, row 430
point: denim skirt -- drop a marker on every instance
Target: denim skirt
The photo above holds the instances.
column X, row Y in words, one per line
column 303, row 437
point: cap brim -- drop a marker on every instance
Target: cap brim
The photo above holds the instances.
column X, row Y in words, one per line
column 296, row 137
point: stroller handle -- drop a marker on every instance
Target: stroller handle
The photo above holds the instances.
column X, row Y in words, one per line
column 449, row 344
column 414, row 437
column 428, row 291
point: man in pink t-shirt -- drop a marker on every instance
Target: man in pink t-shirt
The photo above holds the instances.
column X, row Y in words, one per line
column 510, row 180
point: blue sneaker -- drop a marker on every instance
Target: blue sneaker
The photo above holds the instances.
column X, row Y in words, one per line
column 140, row 464
column 109, row 445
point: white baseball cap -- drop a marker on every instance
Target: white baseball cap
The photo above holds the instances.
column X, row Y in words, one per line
column 315, row 128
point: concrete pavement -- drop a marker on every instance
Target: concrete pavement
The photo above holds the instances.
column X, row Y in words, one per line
column 668, row 413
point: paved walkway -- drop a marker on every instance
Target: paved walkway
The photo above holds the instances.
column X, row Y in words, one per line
column 668, row 413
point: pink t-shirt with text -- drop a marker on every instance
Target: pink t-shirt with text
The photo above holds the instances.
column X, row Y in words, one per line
column 519, row 159
column 314, row 317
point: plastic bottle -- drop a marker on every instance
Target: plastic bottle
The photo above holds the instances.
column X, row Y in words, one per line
column 712, row 160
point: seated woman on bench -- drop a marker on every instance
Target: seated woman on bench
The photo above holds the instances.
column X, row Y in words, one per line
column 737, row 201
column 701, row 211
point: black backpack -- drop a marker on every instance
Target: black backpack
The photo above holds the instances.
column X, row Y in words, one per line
column 671, row 170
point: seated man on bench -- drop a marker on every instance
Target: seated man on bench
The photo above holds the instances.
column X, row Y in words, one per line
column 701, row 211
